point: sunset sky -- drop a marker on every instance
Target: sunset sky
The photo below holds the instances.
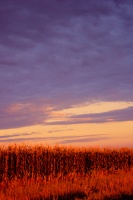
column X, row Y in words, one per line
column 66, row 72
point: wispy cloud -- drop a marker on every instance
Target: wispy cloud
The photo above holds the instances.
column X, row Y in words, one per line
column 110, row 116
column 57, row 131
column 61, row 139
column 15, row 135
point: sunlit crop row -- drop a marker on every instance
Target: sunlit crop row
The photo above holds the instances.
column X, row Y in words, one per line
column 40, row 161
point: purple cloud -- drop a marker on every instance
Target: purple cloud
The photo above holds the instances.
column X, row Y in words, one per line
column 15, row 135
column 110, row 116
column 60, row 53
column 61, row 139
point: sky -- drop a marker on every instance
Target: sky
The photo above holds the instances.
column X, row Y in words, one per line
column 66, row 72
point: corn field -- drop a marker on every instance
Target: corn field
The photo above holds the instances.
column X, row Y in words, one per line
column 40, row 161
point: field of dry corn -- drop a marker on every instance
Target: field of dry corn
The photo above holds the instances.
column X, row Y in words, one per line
column 61, row 173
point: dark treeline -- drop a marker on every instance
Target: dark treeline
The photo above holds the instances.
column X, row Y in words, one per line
column 23, row 161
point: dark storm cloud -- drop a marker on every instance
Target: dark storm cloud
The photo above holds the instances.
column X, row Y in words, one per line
column 60, row 53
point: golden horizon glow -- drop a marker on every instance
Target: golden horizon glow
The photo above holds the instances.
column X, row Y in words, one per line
column 118, row 133
column 108, row 133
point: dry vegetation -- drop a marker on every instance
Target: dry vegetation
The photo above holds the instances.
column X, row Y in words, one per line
column 59, row 173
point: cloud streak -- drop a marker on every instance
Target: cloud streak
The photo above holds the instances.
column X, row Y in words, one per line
column 61, row 139
column 15, row 135
column 110, row 116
